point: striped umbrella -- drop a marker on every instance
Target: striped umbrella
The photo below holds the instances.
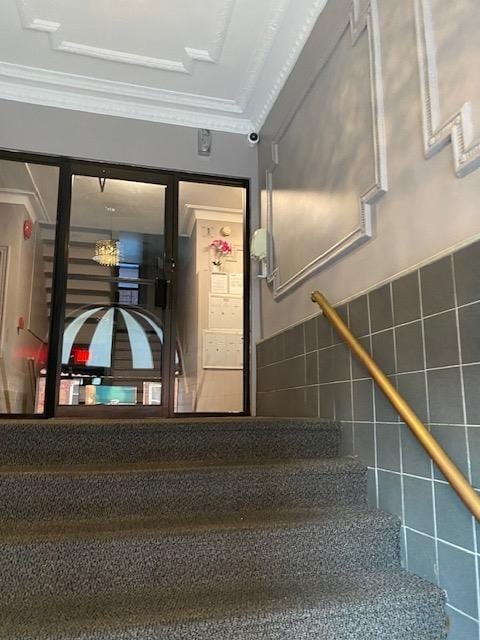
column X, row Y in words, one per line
column 94, row 329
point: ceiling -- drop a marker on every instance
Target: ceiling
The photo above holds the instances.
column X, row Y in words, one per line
column 217, row 64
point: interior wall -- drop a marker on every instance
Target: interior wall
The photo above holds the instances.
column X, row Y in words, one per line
column 24, row 298
column 427, row 210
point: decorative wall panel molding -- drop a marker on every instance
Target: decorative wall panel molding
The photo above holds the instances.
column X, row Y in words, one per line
column 438, row 131
column 341, row 164
column 55, row 31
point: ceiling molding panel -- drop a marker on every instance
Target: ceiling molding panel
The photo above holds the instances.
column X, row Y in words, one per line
column 219, row 64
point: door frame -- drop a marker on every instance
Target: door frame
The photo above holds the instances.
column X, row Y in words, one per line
column 69, row 166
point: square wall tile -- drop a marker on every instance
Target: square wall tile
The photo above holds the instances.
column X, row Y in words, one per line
column 311, row 365
column 422, row 558
column 346, row 443
column 467, row 267
column 327, row 402
column 358, row 316
column 441, row 340
column 458, row 578
column 474, row 447
column 388, row 446
column 453, row 439
column 454, row 521
column 340, row 362
column 409, row 345
column 364, row 442
column 384, row 412
column 343, row 400
column 471, row 382
column 437, row 286
column 294, row 344
column 310, row 331
column 445, row 397
column 413, row 388
column 406, row 298
column 415, row 459
column 381, row 313
column 363, row 400
column 390, row 492
column 311, row 402
column 461, row 627
column 383, row 351
column 418, row 504
column 324, row 332
column 469, row 321
column 325, row 365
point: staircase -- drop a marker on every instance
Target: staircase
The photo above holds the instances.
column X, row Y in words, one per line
column 237, row 529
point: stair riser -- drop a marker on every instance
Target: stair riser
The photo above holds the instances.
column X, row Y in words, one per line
column 50, row 496
column 251, row 558
column 70, row 444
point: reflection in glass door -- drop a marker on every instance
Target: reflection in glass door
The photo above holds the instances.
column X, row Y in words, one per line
column 115, row 349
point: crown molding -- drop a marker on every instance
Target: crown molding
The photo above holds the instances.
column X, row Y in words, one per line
column 54, row 31
column 194, row 212
column 244, row 112
column 459, row 127
column 80, row 93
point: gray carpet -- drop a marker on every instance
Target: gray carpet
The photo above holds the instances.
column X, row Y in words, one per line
column 223, row 529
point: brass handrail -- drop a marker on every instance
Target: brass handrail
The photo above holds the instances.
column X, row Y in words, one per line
column 451, row 472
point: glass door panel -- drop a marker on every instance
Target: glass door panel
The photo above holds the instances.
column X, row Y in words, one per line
column 114, row 342
column 28, row 216
column 210, row 299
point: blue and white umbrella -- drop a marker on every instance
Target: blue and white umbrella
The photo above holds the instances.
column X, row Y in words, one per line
column 139, row 326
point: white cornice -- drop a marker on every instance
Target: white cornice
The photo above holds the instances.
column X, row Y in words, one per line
column 270, row 64
column 111, row 102
column 194, row 212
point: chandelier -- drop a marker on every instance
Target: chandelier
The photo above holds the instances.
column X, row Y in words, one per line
column 107, row 252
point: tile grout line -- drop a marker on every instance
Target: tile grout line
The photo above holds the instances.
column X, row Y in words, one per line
column 467, row 443
column 402, row 483
column 432, row 474
column 377, row 489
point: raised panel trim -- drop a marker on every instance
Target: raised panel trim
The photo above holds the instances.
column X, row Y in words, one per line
column 361, row 17
column 58, row 43
column 457, row 128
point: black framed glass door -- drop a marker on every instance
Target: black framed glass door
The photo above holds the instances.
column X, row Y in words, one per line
column 116, row 353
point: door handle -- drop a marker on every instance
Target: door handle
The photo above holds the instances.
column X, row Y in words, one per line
column 161, row 292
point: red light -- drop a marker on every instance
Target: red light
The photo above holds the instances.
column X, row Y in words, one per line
column 80, row 355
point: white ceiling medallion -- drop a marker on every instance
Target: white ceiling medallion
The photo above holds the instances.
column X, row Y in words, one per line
column 59, row 43
column 216, row 65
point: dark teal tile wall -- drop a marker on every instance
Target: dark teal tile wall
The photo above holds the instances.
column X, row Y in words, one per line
column 424, row 330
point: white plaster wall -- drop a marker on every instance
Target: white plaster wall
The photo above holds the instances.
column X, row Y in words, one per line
column 427, row 210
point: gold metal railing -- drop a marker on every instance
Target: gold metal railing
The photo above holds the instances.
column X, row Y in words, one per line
column 451, row 472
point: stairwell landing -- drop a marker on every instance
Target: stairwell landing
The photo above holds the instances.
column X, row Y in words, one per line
column 215, row 529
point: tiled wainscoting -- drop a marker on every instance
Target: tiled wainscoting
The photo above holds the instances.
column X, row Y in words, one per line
column 424, row 331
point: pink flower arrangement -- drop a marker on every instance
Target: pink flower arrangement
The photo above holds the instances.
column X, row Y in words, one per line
column 222, row 248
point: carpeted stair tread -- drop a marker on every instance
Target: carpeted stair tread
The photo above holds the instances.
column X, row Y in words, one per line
column 23, row 531
column 374, row 606
column 327, row 465
column 179, row 488
column 72, row 441
column 258, row 549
